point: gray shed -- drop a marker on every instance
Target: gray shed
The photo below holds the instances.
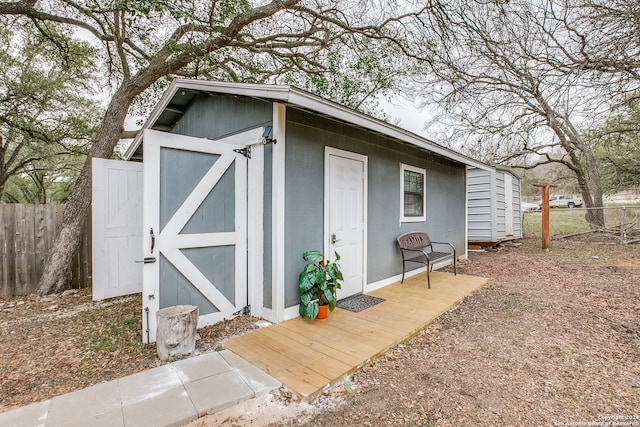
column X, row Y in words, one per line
column 240, row 179
column 493, row 202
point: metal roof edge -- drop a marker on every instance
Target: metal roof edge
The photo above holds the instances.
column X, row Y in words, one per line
column 325, row 106
column 155, row 113
column 302, row 98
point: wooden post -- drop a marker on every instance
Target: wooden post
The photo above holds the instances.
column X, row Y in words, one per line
column 546, row 236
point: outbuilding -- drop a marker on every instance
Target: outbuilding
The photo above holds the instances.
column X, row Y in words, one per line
column 240, row 179
column 494, row 203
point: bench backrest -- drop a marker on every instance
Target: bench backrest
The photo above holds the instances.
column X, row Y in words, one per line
column 415, row 240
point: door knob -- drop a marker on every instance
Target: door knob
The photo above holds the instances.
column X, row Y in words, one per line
column 334, row 240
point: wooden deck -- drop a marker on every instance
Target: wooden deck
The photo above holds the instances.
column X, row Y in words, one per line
column 309, row 356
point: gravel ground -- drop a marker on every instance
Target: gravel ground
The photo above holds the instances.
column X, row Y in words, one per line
column 553, row 338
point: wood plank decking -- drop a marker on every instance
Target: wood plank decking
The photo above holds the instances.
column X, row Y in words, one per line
column 308, row 356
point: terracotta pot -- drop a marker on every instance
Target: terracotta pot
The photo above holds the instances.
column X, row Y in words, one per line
column 323, row 311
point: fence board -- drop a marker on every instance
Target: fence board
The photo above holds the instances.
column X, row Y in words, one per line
column 41, row 246
column 10, row 245
column 3, row 255
column 27, row 233
column 21, row 249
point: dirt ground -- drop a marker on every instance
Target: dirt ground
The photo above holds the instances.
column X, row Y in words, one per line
column 553, row 339
column 59, row 344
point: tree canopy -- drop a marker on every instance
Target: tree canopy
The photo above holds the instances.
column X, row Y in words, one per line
column 47, row 115
column 143, row 44
column 522, row 82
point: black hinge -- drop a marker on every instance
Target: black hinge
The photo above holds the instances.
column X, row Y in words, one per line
column 246, row 151
column 245, row 311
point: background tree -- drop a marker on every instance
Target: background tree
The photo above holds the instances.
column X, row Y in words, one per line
column 618, row 149
column 46, row 115
column 145, row 42
column 506, row 78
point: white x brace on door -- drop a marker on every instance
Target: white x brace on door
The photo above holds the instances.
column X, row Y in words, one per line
column 194, row 225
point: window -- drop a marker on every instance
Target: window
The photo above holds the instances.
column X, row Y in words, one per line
column 412, row 200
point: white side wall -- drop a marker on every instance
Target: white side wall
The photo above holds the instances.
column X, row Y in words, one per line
column 481, row 205
column 486, row 206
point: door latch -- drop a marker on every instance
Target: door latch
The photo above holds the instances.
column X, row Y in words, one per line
column 148, row 260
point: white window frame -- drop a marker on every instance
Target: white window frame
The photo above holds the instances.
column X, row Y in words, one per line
column 403, row 218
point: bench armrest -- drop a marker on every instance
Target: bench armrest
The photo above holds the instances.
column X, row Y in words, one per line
column 445, row 243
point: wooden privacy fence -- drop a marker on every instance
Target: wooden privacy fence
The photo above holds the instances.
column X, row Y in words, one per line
column 27, row 233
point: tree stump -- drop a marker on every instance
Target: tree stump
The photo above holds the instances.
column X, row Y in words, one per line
column 176, row 333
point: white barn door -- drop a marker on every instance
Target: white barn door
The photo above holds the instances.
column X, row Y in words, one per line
column 195, row 225
column 116, row 227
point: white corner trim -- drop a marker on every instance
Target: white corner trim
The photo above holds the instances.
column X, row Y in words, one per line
column 278, row 212
column 255, row 229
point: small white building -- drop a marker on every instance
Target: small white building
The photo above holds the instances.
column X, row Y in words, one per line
column 493, row 203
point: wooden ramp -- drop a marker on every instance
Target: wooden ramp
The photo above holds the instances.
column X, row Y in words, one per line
column 308, row 356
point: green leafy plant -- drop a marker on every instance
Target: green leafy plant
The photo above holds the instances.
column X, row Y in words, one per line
column 318, row 283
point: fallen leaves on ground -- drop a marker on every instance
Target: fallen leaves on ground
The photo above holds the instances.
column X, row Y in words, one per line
column 57, row 344
column 554, row 337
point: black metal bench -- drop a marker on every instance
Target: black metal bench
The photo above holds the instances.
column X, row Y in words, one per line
column 418, row 247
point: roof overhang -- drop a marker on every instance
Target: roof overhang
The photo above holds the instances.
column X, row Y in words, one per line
column 169, row 109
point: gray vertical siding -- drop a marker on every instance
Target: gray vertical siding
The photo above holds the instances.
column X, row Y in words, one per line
column 214, row 116
column 307, row 135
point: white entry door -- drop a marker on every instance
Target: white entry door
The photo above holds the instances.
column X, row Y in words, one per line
column 194, row 227
column 345, row 220
column 508, row 204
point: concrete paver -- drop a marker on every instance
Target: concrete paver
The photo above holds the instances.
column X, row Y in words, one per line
column 27, row 416
column 88, row 406
column 197, row 368
column 207, row 398
column 172, row 408
column 169, row 395
column 148, row 384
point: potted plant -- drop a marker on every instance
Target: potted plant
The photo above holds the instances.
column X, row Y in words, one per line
column 318, row 283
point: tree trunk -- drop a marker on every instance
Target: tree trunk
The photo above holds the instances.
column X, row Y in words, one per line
column 57, row 271
column 176, row 335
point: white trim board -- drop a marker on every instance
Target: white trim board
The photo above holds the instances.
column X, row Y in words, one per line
column 278, row 209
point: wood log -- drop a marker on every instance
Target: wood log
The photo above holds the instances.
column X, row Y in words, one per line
column 176, row 331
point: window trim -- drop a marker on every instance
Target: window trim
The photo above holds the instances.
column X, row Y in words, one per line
column 423, row 172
